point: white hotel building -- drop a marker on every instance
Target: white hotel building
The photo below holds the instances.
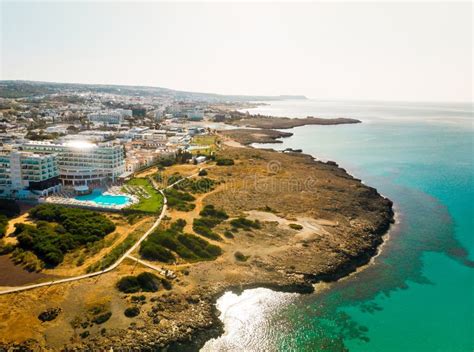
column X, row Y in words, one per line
column 83, row 163
column 28, row 175
column 111, row 117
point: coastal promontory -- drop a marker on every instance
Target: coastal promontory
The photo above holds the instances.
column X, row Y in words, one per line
column 251, row 218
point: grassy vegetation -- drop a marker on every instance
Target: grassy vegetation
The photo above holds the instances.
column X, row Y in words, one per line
column 204, row 140
column 173, row 240
column 144, row 282
column 179, row 200
column 147, row 205
column 27, row 259
column 59, row 230
column 246, row 224
column 6, row 248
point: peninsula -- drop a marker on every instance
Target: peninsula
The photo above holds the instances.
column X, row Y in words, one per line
column 270, row 219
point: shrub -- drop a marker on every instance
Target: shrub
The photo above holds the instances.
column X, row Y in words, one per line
column 211, row 217
column 148, row 282
column 166, row 161
column 9, row 208
column 145, row 281
column 210, row 211
column 224, row 162
column 49, row 314
column 205, row 231
column 3, row 225
column 140, row 298
column 200, row 247
column 84, row 334
column 102, row 318
column 27, row 259
column 187, row 246
column 240, row 256
column 6, row 248
column 202, row 185
column 59, row 229
column 174, row 178
column 245, row 224
column 153, row 251
column 128, row 284
column 228, row 234
column 179, row 200
column 131, row 312
column 295, row 226
column 202, row 172
column 166, row 284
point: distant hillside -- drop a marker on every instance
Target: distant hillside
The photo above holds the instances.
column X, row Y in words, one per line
column 23, row 89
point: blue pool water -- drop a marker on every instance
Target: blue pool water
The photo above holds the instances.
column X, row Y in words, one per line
column 418, row 295
column 104, row 199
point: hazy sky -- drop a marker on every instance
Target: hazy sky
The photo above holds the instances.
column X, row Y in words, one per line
column 384, row 51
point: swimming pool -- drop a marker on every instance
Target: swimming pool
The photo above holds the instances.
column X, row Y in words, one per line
column 98, row 197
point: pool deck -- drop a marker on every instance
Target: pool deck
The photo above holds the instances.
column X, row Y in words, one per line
column 68, row 199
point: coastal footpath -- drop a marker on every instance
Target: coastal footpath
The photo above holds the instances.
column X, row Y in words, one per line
column 292, row 222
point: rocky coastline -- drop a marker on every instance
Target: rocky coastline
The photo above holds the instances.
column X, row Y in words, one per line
column 306, row 286
column 350, row 219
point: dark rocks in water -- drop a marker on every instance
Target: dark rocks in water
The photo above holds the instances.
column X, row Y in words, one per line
column 291, row 150
column 49, row 314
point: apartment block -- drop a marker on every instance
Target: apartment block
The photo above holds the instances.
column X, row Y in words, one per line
column 28, row 175
column 84, row 163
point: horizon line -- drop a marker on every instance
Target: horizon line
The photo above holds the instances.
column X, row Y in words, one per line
column 388, row 100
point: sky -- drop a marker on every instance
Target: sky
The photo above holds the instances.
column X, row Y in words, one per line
column 325, row 50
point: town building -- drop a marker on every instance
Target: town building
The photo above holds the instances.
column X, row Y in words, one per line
column 194, row 114
column 106, row 118
column 82, row 162
column 28, row 175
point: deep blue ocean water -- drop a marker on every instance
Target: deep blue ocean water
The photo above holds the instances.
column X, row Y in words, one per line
column 419, row 293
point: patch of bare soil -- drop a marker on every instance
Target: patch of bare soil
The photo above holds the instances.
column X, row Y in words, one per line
column 15, row 275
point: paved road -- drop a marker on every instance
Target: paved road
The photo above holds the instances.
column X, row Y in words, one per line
column 118, row 262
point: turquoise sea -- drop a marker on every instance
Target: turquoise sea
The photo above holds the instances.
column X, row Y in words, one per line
column 418, row 295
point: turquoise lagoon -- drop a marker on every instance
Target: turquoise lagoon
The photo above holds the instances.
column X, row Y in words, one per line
column 418, row 294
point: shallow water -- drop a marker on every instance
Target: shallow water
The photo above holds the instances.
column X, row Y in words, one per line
column 418, row 295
